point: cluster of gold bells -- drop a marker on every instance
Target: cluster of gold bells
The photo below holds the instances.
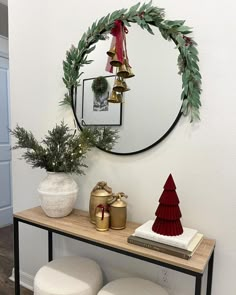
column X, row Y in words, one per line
column 123, row 71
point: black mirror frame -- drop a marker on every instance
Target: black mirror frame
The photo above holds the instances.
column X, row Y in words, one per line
column 138, row 151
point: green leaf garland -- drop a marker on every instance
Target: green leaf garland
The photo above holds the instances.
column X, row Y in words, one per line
column 145, row 16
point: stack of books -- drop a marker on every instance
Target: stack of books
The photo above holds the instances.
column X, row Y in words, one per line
column 182, row 246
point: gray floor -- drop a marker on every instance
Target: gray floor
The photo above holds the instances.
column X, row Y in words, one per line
column 6, row 262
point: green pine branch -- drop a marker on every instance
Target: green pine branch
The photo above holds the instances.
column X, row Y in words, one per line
column 61, row 150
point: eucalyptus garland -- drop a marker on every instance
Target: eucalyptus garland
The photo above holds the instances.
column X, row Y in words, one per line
column 145, row 16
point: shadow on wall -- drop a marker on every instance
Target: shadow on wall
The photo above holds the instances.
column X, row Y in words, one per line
column 3, row 20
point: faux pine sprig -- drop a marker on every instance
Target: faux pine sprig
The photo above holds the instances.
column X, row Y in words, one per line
column 62, row 150
column 146, row 16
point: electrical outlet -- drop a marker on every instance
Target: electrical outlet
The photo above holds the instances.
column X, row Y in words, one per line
column 164, row 276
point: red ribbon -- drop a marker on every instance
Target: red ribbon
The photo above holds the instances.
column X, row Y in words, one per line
column 118, row 32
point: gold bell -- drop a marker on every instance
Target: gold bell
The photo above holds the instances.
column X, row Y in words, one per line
column 123, row 72
column 129, row 69
column 111, row 52
column 126, row 88
column 119, row 86
column 115, row 97
column 131, row 74
column 115, row 62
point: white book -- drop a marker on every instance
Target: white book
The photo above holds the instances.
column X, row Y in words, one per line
column 182, row 241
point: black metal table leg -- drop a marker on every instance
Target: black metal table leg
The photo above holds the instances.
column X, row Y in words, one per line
column 209, row 274
column 16, row 256
column 198, row 285
column 50, row 246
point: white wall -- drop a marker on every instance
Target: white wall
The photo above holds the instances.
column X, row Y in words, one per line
column 201, row 157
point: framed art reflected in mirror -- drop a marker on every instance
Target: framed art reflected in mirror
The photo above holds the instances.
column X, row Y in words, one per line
column 96, row 110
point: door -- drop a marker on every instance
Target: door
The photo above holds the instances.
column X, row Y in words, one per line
column 5, row 152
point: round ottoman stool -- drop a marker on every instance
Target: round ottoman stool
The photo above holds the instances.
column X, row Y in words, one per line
column 132, row 286
column 69, row 276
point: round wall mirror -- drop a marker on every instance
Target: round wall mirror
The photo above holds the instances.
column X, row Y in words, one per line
column 151, row 108
column 166, row 82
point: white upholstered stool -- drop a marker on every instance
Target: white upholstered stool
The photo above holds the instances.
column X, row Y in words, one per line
column 69, row 276
column 132, row 286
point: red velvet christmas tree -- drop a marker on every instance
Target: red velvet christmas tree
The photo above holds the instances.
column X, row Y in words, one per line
column 168, row 214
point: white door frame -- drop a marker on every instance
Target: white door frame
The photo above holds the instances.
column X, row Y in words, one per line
column 6, row 211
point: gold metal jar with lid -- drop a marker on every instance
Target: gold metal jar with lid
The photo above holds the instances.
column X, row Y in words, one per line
column 99, row 195
column 118, row 211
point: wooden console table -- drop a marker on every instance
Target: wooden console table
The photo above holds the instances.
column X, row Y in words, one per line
column 77, row 226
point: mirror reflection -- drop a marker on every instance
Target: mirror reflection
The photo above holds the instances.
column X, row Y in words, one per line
column 152, row 104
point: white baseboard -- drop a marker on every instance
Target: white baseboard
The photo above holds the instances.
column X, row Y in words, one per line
column 26, row 280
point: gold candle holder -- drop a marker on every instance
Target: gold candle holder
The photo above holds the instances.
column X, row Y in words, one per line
column 102, row 218
column 99, row 195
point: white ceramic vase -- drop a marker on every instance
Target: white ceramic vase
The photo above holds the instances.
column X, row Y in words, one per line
column 58, row 194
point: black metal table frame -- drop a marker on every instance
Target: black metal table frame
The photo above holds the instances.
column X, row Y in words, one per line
column 197, row 275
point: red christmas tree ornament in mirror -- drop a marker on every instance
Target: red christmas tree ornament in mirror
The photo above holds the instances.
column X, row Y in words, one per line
column 168, row 213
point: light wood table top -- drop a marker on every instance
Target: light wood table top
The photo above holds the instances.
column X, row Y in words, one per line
column 77, row 224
